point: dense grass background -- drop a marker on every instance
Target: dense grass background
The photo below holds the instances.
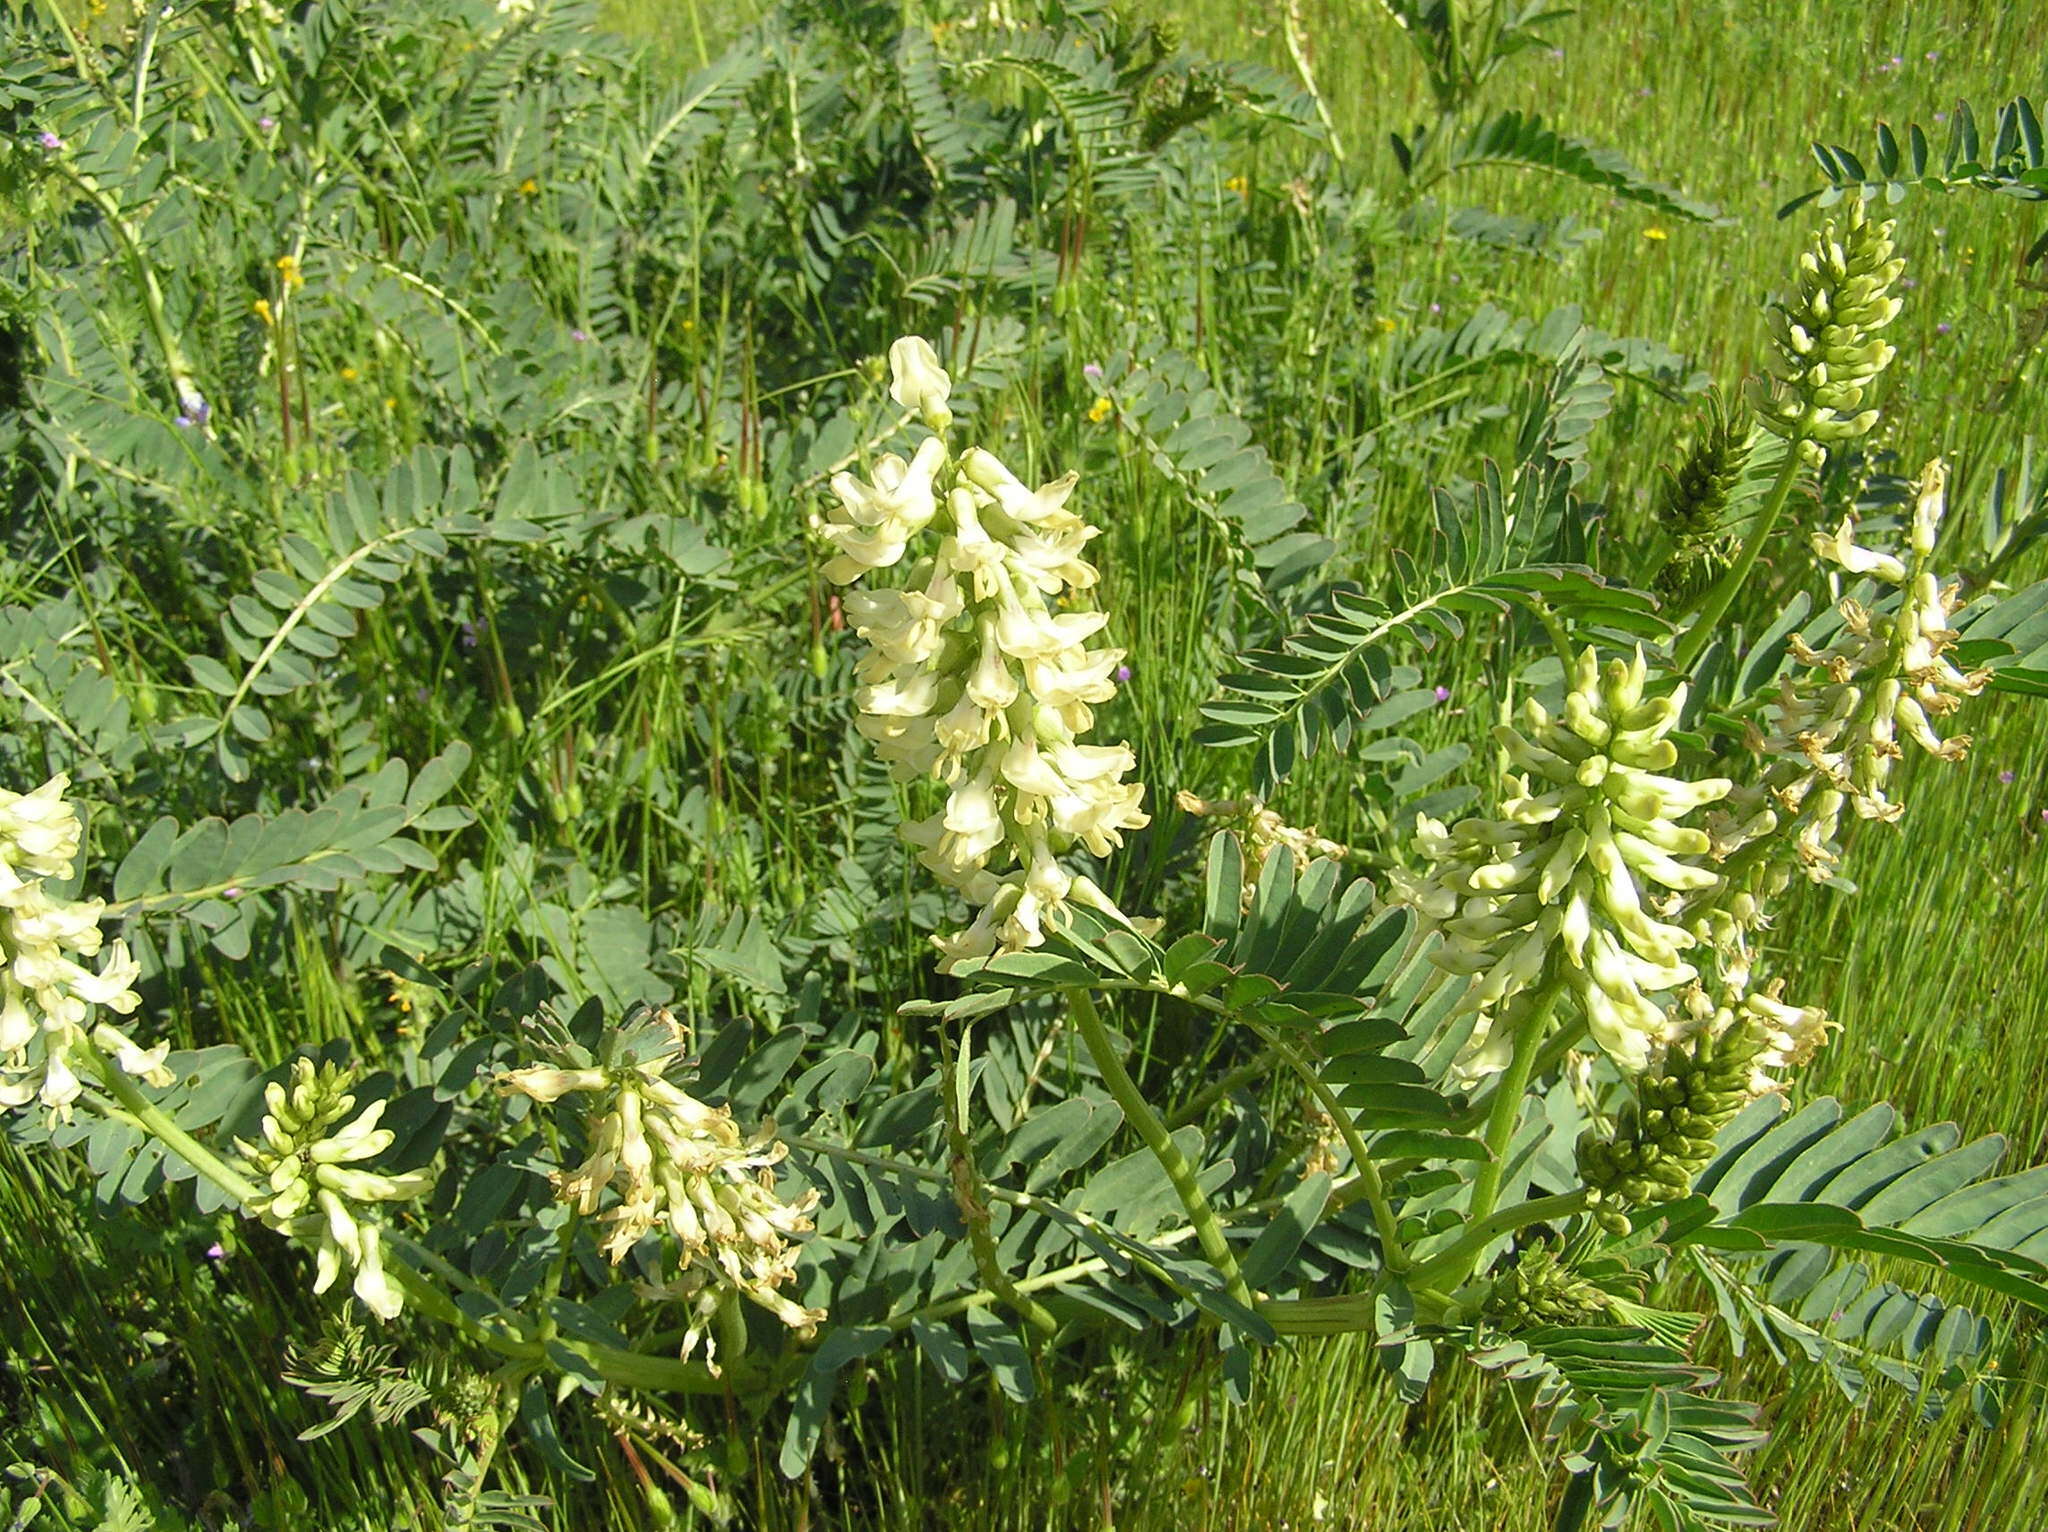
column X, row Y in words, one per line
column 1935, row 969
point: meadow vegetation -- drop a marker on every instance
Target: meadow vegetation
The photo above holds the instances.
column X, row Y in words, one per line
column 419, row 425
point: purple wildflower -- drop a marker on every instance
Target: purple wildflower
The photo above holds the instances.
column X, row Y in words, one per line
column 184, row 422
column 1436, row 308
column 266, row 123
column 1092, row 371
column 468, row 635
column 1443, row 694
column 50, row 140
column 1123, row 672
column 215, row 1252
column 1942, row 328
column 579, row 336
column 231, row 892
column 2005, row 776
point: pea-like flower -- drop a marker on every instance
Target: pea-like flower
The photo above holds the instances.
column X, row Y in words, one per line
column 48, row 996
column 312, row 1184
column 977, row 678
column 1580, row 882
column 659, row 1160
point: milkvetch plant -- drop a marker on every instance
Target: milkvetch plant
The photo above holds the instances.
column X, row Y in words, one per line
column 690, row 1041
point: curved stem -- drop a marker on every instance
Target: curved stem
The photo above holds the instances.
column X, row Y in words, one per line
column 1718, row 600
column 1370, row 1186
column 1446, row 1264
column 1139, row 1114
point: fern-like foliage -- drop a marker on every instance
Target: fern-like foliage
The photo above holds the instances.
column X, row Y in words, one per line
column 212, row 873
column 1193, row 437
column 1788, row 1190
column 1523, row 141
column 2015, row 165
column 1498, row 546
column 298, row 617
column 351, row 1374
column 1644, row 1427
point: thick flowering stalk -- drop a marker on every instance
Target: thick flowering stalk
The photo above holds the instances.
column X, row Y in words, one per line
column 975, row 678
column 1832, row 739
column 1829, row 350
column 312, row 1184
column 679, row 1166
column 48, row 998
column 1579, row 878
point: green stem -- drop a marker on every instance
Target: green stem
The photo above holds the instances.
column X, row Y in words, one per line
column 629, row 1369
column 1252, row 1069
column 969, row 1191
column 156, row 1121
column 1718, row 600
column 1139, row 1114
column 1560, row 640
column 1508, row 1100
column 1448, row 1264
column 1369, row 1184
column 1561, row 1042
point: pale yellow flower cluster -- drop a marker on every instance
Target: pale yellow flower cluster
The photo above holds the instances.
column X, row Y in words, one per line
column 312, row 1184
column 47, row 996
column 1832, row 742
column 681, row 1166
column 1829, row 353
column 975, row 679
column 1581, row 881
column 1790, row 1034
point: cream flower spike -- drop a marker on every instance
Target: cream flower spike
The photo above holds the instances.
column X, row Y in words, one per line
column 48, row 997
column 1572, row 881
column 975, row 678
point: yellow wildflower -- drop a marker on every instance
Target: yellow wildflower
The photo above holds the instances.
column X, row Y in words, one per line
column 529, row 187
column 288, row 271
column 1239, row 185
column 1388, row 323
column 262, row 310
column 1653, row 232
column 349, row 374
column 1099, row 411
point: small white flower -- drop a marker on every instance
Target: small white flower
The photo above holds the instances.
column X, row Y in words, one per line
column 918, row 382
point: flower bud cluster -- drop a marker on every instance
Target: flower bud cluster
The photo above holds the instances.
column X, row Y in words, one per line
column 1887, row 681
column 1264, row 831
column 1539, row 1289
column 1829, row 352
column 1665, row 1137
column 680, row 1166
column 975, row 678
column 313, row 1186
column 47, row 996
column 1693, row 501
column 1580, row 881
